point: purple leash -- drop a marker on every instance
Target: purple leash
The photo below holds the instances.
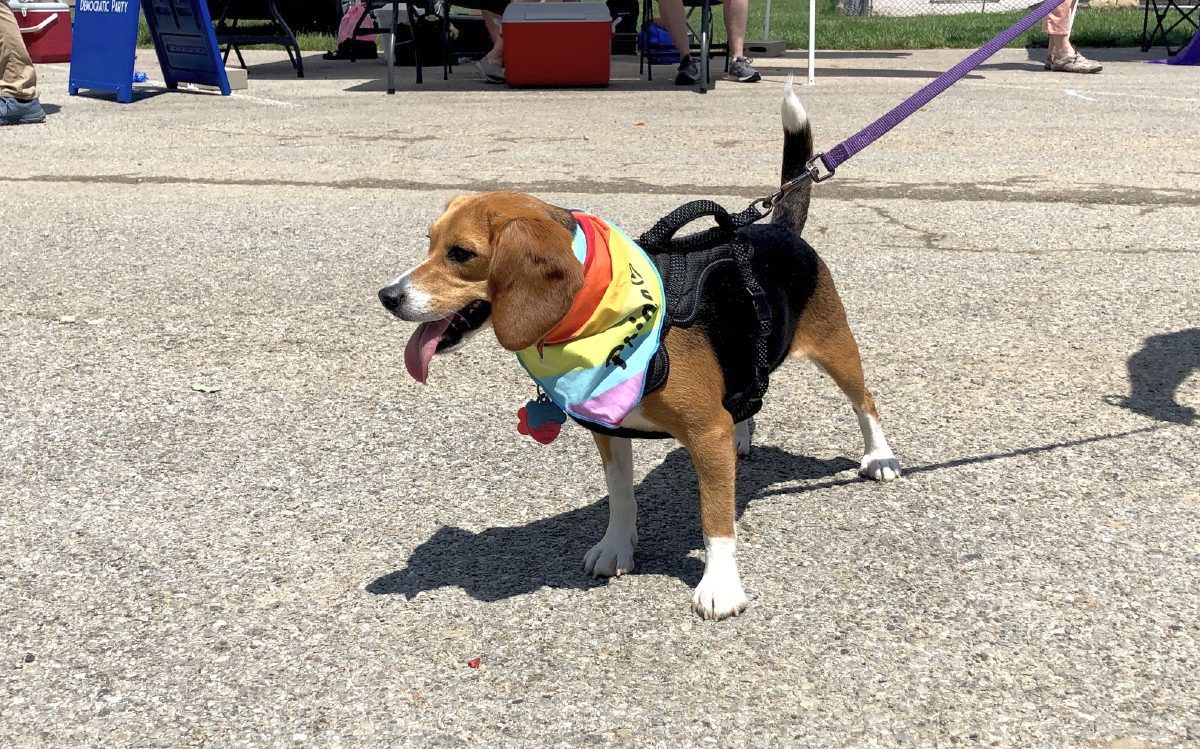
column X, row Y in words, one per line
column 843, row 151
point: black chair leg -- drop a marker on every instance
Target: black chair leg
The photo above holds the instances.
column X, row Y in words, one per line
column 705, row 41
column 391, row 50
column 643, row 57
column 291, row 43
column 416, row 47
column 1145, row 26
column 446, row 64
column 354, row 33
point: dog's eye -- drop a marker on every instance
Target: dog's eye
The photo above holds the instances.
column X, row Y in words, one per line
column 459, row 254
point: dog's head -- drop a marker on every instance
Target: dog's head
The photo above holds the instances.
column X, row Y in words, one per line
column 502, row 257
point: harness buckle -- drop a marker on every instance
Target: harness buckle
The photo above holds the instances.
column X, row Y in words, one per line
column 762, row 309
column 814, row 171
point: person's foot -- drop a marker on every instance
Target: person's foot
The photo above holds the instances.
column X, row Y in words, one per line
column 740, row 70
column 17, row 112
column 1073, row 63
column 688, row 72
column 491, row 70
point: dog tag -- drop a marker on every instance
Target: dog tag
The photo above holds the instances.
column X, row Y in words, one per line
column 541, row 419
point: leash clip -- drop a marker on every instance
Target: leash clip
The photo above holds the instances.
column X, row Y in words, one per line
column 769, row 202
column 811, row 172
column 814, row 171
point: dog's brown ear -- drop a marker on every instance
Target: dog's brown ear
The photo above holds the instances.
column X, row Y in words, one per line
column 533, row 280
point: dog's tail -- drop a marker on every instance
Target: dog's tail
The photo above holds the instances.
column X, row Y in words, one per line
column 792, row 209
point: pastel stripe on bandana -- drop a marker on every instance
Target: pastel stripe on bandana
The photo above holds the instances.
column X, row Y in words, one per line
column 593, row 363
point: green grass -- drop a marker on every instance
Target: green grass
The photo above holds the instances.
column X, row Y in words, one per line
column 309, row 42
column 789, row 21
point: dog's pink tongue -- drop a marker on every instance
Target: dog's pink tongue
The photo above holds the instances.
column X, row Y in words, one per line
column 422, row 346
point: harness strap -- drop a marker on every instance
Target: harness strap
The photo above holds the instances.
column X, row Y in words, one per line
column 743, row 252
column 660, row 239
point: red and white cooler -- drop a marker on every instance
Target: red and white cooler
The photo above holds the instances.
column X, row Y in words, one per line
column 557, row 44
column 45, row 28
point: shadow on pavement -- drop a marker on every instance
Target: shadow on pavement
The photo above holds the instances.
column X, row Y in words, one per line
column 502, row 562
column 977, row 459
column 499, row 563
column 1156, row 372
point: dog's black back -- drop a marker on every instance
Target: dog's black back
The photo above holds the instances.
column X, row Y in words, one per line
column 786, row 269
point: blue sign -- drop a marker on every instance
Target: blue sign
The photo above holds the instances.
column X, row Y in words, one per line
column 105, row 43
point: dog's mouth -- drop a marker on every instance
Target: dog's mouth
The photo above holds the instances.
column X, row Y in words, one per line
column 440, row 336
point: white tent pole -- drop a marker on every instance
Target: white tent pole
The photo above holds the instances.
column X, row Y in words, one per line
column 812, row 40
column 767, row 23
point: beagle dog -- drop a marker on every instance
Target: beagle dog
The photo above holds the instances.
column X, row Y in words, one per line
column 506, row 258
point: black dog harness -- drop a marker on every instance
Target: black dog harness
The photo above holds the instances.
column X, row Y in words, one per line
column 740, row 283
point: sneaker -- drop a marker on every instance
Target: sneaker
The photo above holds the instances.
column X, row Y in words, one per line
column 688, row 73
column 1075, row 63
column 17, row 112
column 492, row 71
column 740, row 70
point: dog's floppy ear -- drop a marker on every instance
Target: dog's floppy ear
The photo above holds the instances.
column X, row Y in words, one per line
column 533, row 279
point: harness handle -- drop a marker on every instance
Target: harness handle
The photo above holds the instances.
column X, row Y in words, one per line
column 661, row 237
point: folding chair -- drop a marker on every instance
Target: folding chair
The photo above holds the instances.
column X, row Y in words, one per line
column 277, row 32
column 1189, row 12
column 703, row 41
column 413, row 9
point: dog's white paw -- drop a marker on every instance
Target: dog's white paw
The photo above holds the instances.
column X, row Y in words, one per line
column 719, row 596
column 880, row 465
column 743, row 433
column 612, row 557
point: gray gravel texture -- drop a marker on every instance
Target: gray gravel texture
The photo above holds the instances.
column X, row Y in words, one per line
column 311, row 553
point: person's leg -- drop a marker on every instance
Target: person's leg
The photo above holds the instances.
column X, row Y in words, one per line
column 736, row 13
column 1058, row 27
column 18, row 79
column 1062, row 55
column 492, row 64
column 675, row 22
column 491, row 21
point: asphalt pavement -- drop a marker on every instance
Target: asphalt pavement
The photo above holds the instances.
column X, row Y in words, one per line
column 228, row 518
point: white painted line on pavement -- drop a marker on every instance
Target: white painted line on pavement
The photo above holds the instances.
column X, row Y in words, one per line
column 268, row 102
column 1076, row 94
column 987, row 84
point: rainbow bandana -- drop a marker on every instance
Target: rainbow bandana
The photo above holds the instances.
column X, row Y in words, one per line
column 593, row 363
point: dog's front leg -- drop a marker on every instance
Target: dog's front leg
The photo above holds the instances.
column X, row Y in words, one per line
column 614, row 554
column 719, row 594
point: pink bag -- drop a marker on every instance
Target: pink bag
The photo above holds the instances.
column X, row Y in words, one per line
column 346, row 27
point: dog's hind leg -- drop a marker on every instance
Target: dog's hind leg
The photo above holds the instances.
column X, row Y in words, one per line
column 824, row 336
column 614, row 554
column 743, row 433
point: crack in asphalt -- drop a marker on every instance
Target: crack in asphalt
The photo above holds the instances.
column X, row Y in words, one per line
column 1015, row 190
column 930, row 238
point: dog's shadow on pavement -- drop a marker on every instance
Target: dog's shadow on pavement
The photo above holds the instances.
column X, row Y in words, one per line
column 499, row 563
column 508, row 561
column 1155, row 373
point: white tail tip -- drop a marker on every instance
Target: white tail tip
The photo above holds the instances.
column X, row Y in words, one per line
column 794, row 116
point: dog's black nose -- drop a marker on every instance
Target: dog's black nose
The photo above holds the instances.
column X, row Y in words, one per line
column 391, row 297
